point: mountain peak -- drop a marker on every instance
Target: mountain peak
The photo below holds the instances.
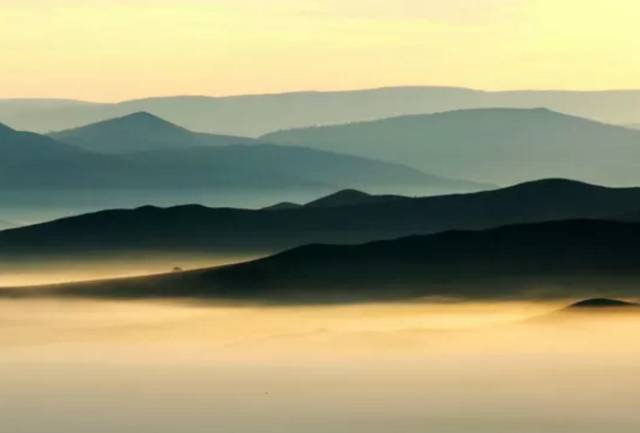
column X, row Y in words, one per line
column 352, row 197
column 349, row 194
column 554, row 184
column 143, row 115
column 139, row 119
column 341, row 198
column 133, row 132
column 283, row 205
column 140, row 123
column 140, row 131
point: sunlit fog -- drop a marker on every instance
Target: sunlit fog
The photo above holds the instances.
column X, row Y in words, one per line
column 445, row 367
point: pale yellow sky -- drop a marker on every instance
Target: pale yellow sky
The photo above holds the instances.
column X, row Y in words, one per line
column 118, row 49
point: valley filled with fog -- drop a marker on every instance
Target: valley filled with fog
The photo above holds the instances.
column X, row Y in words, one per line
column 454, row 367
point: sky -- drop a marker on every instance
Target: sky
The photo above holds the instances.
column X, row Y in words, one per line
column 111, row 50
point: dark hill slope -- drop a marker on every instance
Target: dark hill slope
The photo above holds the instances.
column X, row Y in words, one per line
column 35, row 161
column 576, row 258
column 198, row 228
column 351, row 197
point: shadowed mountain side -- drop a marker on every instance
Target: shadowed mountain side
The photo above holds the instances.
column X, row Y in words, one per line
column 198, row 228
column 51, row 164
column 35, row 161
column 261, row 163
column 500, row 146
column 254, row 115
column 576, row 258
column 138, row 132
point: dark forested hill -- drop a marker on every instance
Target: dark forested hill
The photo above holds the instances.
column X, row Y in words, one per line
column 354, row 218
column 575, row 258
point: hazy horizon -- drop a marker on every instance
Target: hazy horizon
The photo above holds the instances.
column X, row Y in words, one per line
column 312, row 90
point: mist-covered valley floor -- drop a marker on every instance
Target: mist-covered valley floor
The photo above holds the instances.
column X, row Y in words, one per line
column 511, row 367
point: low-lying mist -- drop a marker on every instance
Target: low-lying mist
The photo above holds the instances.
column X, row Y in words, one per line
column 34, row 271
column 75, row 366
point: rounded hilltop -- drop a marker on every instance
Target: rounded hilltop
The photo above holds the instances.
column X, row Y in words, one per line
column 602, row 303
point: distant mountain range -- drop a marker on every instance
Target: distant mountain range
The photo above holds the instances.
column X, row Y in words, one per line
column 500, row 146
column 255, row 115
column 37, row 162
column 575, row 258
column 347, row 217
column 140, row 132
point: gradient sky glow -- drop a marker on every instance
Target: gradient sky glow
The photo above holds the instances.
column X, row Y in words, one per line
column 118, row 49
